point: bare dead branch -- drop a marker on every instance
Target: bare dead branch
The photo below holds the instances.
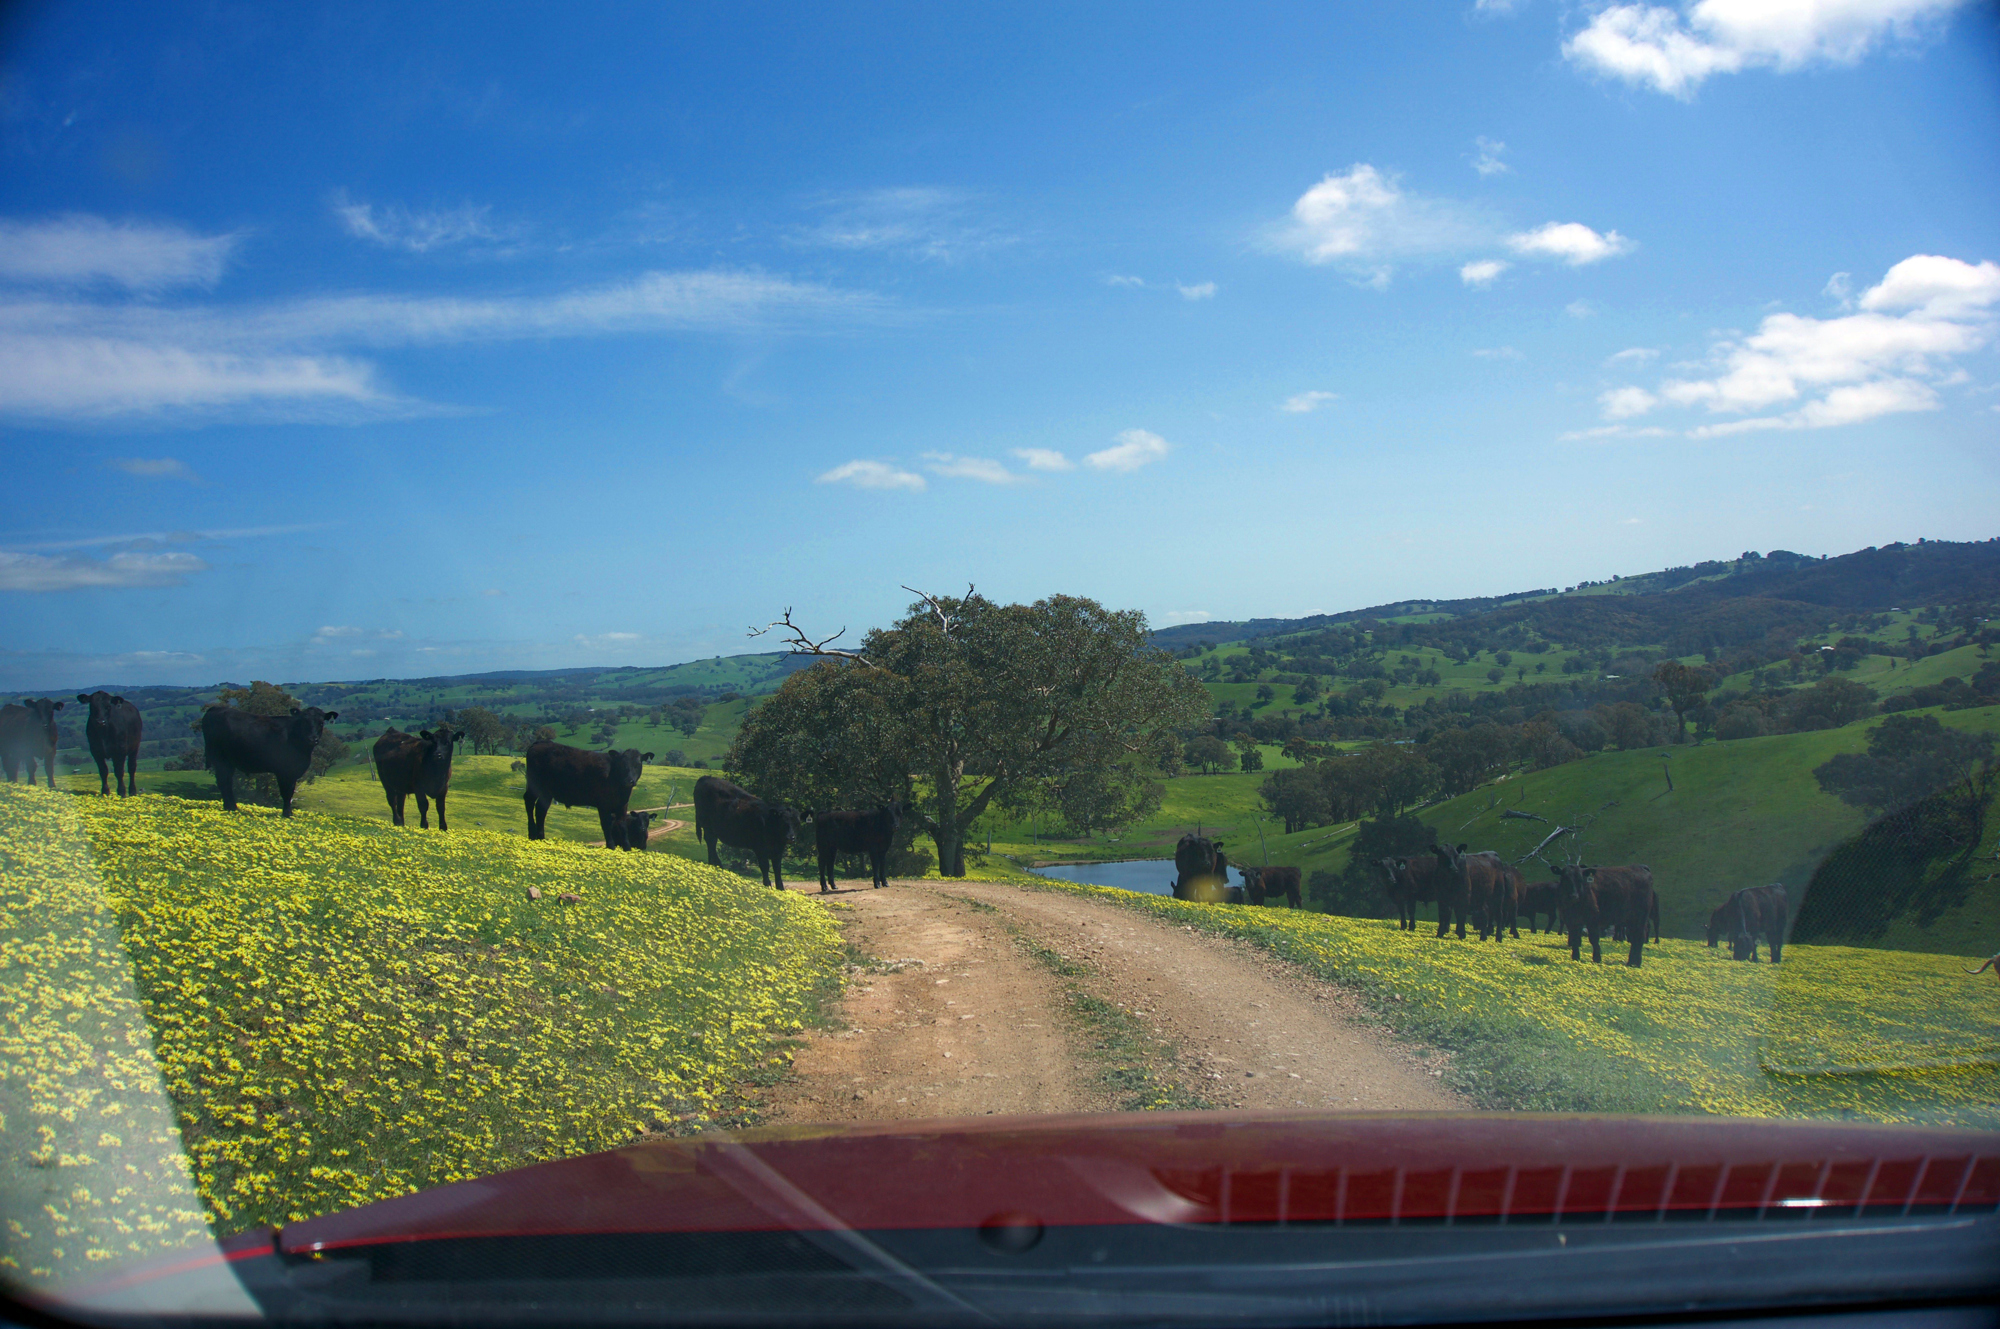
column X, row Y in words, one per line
column 937, row 610
column 1515, row 814
column 800, row 644
column 1536, row 852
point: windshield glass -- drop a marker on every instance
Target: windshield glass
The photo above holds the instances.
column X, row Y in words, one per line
column 714, row 582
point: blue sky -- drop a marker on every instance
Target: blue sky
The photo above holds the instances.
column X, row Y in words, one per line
column 350, row 343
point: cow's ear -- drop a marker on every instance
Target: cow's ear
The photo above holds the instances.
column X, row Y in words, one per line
column 59, row 705
column 295, row 710
column 85, row 699
column 117, row 701
column 332, row 715
column 425, row 733
column 645, row 756
column 1462, row 848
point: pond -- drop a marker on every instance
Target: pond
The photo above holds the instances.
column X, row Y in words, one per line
column 1153, row 876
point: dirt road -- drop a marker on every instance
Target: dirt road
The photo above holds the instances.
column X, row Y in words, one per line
column 992, row 998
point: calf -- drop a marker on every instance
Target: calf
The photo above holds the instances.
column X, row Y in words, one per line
column 870, row 833
column 578, row 777
column 417, row 764
column 1594, row 900
column 730, row 814
column 113, row 732
column 632, row 832
column 1538, row 898
column 28, row 735
column 1752, row 912
column 1471, row 883
column 1262, row 885
column 1412, row 881
column 280, row 745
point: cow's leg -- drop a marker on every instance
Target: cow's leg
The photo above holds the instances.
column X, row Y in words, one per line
column 225, row 780
column 1596, row 944
column 48, row 767
column 713, row 859
column 1637, row 953
column 423, row 811
column 11, row 767
column 395, row 807
column 126, row 768
column 286, row 786
column 528, row 803
column 440, row 803
column 1576, row 941
column 778, row 868
column 104, row 777
column 1444, row 918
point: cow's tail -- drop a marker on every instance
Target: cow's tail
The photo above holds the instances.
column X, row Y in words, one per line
column 1654, row 911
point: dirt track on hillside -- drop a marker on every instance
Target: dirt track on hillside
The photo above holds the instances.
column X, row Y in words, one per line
column 959, row 1016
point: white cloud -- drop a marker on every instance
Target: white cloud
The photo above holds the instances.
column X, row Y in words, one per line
column 1580, row 309
column 340, row 632
column 397, row 227
column 923, row 222
column 1624, row 403
column 1572, row 242
column 76, row 359
column 1887, row 359
column 1364, row 216
column 1135, row 448
column 81, row 250
column 1304, row 402
column 329, row 632
column 1044, row 459
column 1613, row 431
column 1633, row 355
column 1840, row 286
column 1501, row 7
column 1202, row 291
column 1115, row 280
column 1176, row 616
column 983, row 469
column 155, row 468
column 1488, row 161
column 1673, row 52
column 1481, row 272
column 872, row 475
column 70, row 572
column 1498, row 353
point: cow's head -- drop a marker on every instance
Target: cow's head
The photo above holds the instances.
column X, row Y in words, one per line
column 781, row 822
column 627, row 766
column 309, row 723
column 439, row 742
column 1571, row 883
column 637, row 828
column 100, row 703
column 43, row 709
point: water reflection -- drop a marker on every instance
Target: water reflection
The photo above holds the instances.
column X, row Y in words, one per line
column 1153, row 876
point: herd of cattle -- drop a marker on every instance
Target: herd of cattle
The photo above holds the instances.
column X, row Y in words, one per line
column 1479, row 888
column 1493, row 895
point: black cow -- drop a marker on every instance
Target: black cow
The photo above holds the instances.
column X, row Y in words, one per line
column 633, row 831
column 1752, row 912
column 732, row 815
column 28, row 735
column 1412, row 881
column 419, row 764
column 281, row 745
column 1467, row 887
column 870, row 833
column 1262, row 885
column 1201, row 869
column 1594, row 900
column 113, row 731
column 580, row 778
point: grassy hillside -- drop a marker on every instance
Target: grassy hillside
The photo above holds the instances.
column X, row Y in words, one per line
column 342, row 1011
column 1833, row 1033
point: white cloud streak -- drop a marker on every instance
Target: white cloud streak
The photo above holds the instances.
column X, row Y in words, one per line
column 1200, row 291
column 155, row 468
column 1134, row 448
column 1674, row 52
column 1044, row 459
column 983, row 469
column 1305, row 402
column 873, row 475
column 82, row 250
column 917, row 221
column 72, row 572
column 1488, row 161
column 1481, row 272
column 397, row 227
column 1571, row 242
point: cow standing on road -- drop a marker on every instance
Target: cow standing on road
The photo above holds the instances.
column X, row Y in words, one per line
column 1750, row 913
column 27, row 736
column 113, row 732
column 732, row 815
column 1593, row 900
column 578, row 777
column 870, row 833
column 280, row 745
column 417, row 764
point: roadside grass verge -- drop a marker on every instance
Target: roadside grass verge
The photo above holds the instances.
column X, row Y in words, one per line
column 1137, row 1066
column 341, row 1011
column 1835, row 1032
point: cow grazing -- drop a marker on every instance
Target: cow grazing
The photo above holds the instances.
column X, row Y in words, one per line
column 1471, row 883
column 1201, row 869
column 870, row 833
column 633, row 831
column 419, row 764
column 1263, row 885
column 1750, row 913
column 580, row 778
column 1593, row 900
column 281, row 745
column 113, row 731
column 732, row 815
column 27, row 736
column 1412, row 881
